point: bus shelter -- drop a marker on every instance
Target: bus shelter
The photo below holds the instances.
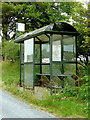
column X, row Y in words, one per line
column 48, row 51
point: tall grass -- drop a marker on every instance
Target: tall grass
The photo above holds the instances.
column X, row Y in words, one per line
column 10, row 72
column 58, row 104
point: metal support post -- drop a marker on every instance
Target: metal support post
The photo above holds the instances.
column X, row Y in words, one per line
column 76, row 53
column 76, row 60
column 33, row 63
column 51, row 62
column 62, row 54
column 20, row 53
column 20, row 64
column 40, row 57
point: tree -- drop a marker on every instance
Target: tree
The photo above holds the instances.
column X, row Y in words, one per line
column 80, row 15
column 8, row 12
column 39, row 14
column 10, row 51
column 33, row 14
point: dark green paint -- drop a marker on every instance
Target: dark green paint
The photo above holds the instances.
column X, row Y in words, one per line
column 33, row 62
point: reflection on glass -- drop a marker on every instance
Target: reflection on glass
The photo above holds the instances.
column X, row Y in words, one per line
column 45, row 53
column 69, row 48
column 37, row 53
column 28, row 67
column 28, row 50
column 44, row 37
column 57, row 82
column 28, row 75
column 56, row 69
column 45, row 69
column 70, row 81
column 22, row 75
column 56, row 48
column 69, row 69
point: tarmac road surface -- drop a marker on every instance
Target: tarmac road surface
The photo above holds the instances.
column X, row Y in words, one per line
column 13, row 108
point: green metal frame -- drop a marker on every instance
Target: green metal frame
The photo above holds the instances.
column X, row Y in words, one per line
column 76, row 53
column 40, row 58
column 33, row 62
column 51, row 39
column 27, row 63
column 51, row 57
column 62, row 54
column 37, row 40
column 67, row 62
column 61, row 28
column 20, row 63
column 49, row 32
column 56, row 62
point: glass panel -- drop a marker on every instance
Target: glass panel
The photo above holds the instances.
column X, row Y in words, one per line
column 56, row 48
column 56, row 37
column 69, row 48
column 28, row 50
column 37, row 70
column 28, row 75
column 45, row 53
column 45, row 69
column 37, row 53
column 39, row 30
column 56, row 69
column 69, row 69
column 22, row 76
column 28, row 63
column 69, row 81
column 57, row 82
column 44, row 37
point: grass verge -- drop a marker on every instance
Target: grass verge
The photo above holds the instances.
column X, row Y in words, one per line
column 55, row 104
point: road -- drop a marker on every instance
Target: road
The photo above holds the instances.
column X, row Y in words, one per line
column 13, row 108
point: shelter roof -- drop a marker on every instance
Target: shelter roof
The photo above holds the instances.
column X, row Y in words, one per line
column 56, row 28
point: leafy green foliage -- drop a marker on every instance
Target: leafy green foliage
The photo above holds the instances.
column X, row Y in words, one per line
column 39, row 14
column 80, row 16
column 36, row 15
column 10, row 50
column 8, row 11
column 80, row 91
column 33, row 14
column 72, row 102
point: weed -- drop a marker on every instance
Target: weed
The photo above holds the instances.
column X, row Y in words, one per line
column 68, row 102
